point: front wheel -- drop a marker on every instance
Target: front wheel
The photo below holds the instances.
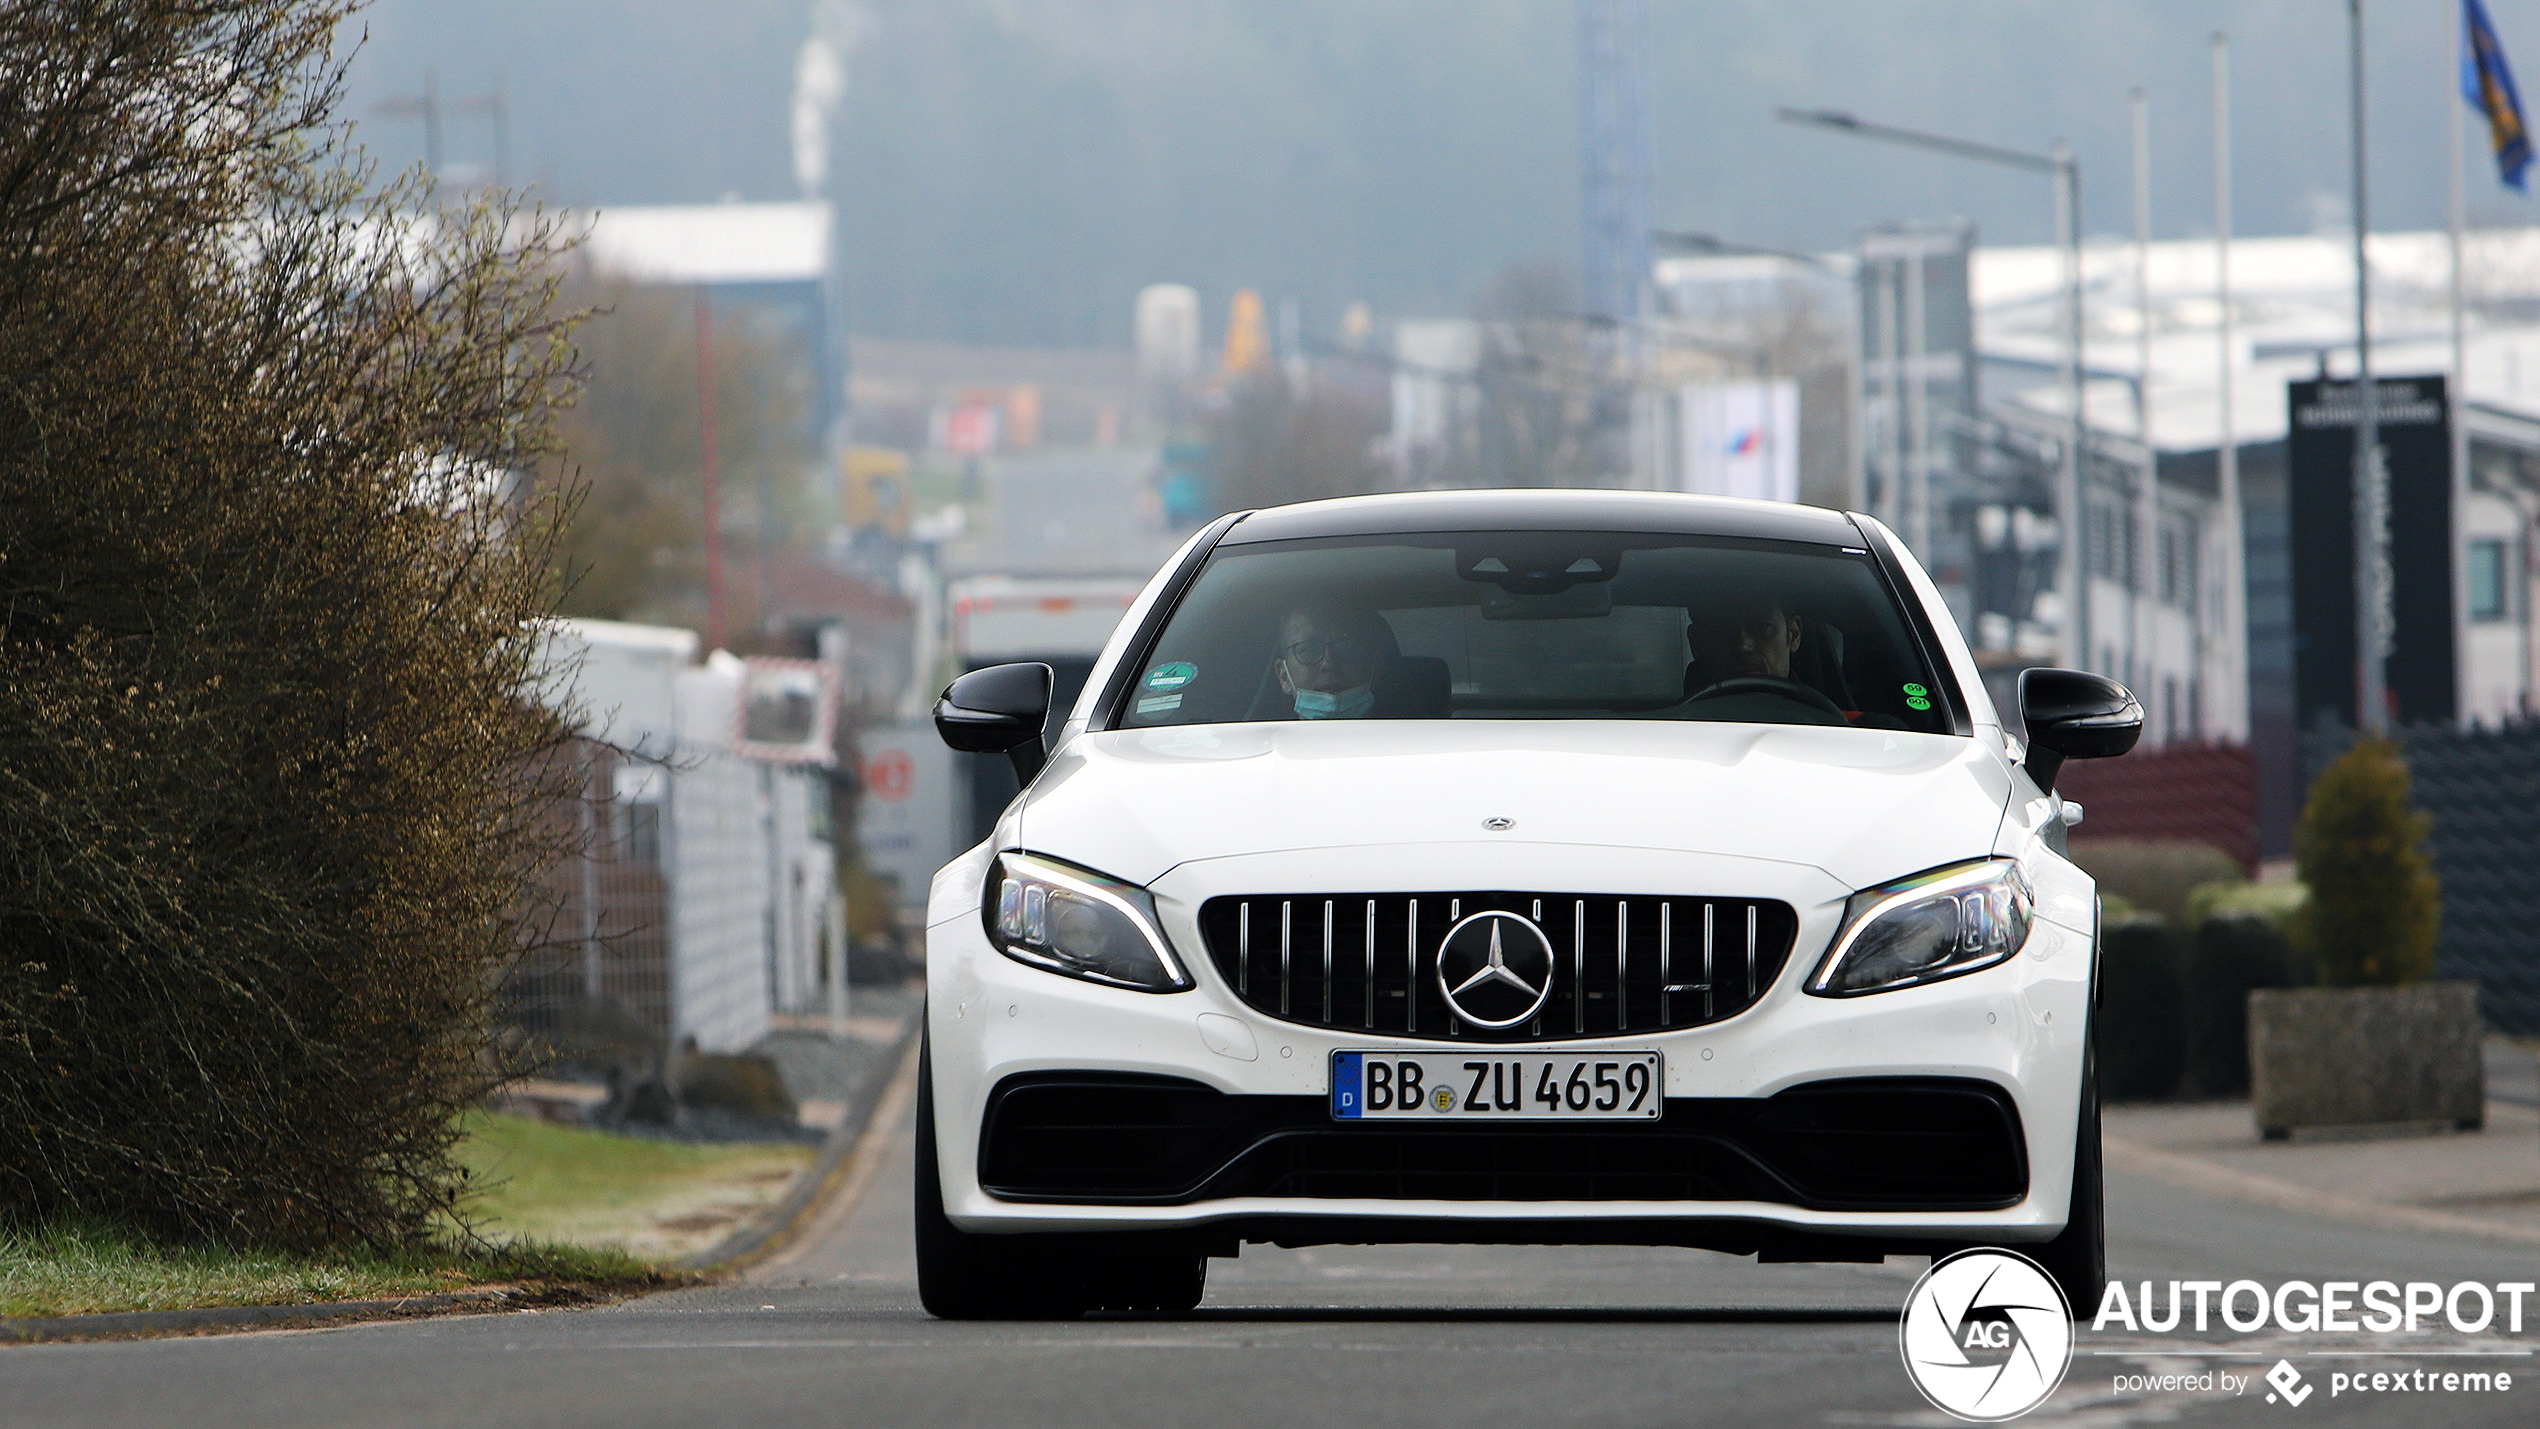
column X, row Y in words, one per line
column 2078, row 1258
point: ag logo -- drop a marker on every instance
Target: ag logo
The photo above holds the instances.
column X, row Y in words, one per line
column 1986, row 1336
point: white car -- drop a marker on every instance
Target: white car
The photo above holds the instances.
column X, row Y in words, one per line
column 1515, row 867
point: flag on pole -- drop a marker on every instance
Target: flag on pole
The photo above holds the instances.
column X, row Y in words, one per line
column 2487, row 82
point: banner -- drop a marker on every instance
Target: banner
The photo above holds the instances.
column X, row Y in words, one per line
column 1741, row 439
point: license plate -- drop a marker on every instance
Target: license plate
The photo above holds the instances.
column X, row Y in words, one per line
column 1502, row 1086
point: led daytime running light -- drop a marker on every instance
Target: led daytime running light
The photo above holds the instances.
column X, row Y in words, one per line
column 1024, row 926
column 1991, row 914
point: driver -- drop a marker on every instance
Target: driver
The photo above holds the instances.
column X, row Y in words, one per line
column 1746, row 636
column 1328, row 657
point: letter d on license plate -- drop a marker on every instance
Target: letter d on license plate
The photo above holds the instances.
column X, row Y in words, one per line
column 1499, row 1086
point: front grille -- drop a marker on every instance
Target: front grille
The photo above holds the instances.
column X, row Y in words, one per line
column 1880, row 1143
column 1622, row 965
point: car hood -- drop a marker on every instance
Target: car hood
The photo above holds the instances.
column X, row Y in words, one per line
column 1864, row 806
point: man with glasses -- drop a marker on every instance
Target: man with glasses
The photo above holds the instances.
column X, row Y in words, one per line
column 1329, row 657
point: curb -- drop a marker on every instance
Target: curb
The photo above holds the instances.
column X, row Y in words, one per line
column 775, row 1228
column 125, row 1324
column 766, row 1234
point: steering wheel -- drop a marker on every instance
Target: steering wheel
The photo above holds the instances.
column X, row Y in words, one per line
column 1791, row 690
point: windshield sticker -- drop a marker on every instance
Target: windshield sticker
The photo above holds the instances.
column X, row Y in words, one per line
column 1916, row 697
column 1158, row 704
column 1171, row 677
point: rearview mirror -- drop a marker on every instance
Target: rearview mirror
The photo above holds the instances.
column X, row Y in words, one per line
column 999, row 710
column 2073, row 714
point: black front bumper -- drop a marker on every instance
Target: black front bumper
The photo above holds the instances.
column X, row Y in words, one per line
column 1859, row 1144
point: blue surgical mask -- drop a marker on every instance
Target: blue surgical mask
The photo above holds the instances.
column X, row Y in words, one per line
column 1323, row 704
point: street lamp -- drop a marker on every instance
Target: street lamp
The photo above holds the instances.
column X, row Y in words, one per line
column 2059, row 163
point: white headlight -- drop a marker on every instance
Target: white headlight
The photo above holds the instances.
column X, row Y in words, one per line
column 1080, row 924
column 1931, row 926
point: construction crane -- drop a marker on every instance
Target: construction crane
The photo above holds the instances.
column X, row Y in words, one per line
column 1616, row 212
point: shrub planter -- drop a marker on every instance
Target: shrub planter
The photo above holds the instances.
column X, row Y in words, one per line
column 2356, row 1056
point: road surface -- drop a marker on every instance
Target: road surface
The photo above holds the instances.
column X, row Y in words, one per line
column 1336, row 1337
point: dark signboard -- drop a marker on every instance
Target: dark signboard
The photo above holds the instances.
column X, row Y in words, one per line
column 2320, row 455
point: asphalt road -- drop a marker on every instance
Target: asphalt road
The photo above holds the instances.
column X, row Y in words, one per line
column 1328, row 1337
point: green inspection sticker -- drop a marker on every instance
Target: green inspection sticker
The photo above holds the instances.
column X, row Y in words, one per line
column 1171, row 677
column 1918, row 703
column 1914, row 691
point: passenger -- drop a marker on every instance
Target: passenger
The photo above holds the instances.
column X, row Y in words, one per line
column 1746, row 636
column 1328, row 658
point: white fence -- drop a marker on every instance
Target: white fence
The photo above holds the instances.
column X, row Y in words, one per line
column 746, row 872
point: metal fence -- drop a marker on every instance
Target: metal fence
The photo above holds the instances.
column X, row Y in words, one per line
column 602, row 981
column 2482, row 789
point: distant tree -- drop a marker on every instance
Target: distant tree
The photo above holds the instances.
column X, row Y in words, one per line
column 2375, row 907
column 1537, row 374
column 635, row 549
column 1278, row 442
column 269, row 763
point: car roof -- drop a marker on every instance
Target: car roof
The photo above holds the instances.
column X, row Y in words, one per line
column 1545, row 510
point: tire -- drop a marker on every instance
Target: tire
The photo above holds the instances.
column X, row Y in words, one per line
column 961, row 1276
column 2078, row 1258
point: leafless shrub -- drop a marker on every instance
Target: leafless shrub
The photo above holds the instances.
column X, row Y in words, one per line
column 269, row 776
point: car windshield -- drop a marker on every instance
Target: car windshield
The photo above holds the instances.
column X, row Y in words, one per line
column 1535, row 625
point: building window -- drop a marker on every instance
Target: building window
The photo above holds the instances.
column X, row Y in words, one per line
column 2490, row 596
column 2178, row 564
column 2115, row 543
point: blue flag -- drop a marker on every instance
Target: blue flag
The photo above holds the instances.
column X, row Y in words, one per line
column 2487, row 82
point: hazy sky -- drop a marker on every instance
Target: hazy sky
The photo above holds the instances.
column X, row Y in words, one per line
column 1014, row 169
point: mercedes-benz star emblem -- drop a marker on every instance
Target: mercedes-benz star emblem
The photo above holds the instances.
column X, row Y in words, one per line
column 1495, row 969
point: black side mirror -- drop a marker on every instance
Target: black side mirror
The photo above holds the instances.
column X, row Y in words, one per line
column 999, row 710
column 2072, row 714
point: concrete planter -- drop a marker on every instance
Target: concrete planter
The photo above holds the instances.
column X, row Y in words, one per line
column 2356, row 1056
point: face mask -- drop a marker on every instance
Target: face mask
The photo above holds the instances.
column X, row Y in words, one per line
column 1323, row 704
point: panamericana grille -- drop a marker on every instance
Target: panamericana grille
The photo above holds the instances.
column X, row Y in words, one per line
column 1621, row 964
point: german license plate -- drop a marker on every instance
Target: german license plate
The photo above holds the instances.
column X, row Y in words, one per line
column 1497, row 1086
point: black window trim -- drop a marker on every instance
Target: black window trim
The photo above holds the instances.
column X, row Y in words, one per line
column 1918, row 624
column 1133, row 656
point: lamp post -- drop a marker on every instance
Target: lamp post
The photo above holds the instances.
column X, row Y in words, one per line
column 2059, row 164
column 2372, row 548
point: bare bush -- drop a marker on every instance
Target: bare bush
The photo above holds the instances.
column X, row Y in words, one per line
column 268, row 771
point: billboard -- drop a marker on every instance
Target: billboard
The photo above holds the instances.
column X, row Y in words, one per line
column 789, row 711
column 1741, row 439
column 2414, row 415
